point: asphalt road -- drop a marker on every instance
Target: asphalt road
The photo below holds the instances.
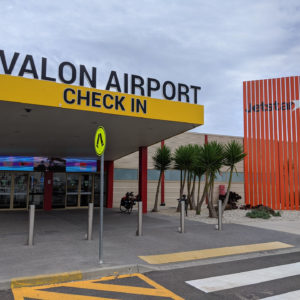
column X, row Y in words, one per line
column 175, row 280
column 257, row 278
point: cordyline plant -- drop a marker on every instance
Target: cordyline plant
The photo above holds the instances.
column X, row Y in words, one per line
column 210, row 160
column 199, row 172
column 193, row 174
column 184, row 159
column 162, row 161
column 233, row 154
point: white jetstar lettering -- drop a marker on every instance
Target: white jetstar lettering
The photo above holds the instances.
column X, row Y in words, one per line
column 297, row 104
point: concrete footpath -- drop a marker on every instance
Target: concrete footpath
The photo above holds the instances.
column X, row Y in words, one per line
column 61, row 247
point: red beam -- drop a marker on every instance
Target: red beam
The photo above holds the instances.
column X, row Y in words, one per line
column 109, row 167
column 143, row 153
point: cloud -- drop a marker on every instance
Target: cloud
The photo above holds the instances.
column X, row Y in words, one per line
column 215, row 44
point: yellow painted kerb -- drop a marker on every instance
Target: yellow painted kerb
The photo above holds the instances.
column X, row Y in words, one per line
column 45, row 279
column 210, row 253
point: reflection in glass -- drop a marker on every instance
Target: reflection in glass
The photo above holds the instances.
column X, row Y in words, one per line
column 5, row 190
column 86, row 190
column 20, row 190
column 59, row 190
column 36, row 191
column 72, row 189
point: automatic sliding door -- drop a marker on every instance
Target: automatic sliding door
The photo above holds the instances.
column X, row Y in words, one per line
column 72, row 190
column 20, row 190
column 59, row 190
column 97, row 190
column 36, row 195
column 86, row 189
column 5, row 190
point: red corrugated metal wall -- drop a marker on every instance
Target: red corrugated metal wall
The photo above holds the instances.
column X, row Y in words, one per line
column 271, row 141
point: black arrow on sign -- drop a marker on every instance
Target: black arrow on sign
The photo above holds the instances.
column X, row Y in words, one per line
column 100, row 138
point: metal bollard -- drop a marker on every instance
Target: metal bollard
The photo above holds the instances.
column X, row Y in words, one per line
column 139, row 231
column 31, row 224
column 220, row 215
column 182, row 210
column 90, row 221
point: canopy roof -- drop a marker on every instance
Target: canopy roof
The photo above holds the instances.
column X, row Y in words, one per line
column 41, row 118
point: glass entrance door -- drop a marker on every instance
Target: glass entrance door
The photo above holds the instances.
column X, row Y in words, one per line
column 59, row 190
column 5, row 190
column 72, row 189
column 36, row 194
column 86, row 189
column 20, row 190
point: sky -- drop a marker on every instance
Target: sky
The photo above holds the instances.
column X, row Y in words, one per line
column 214, row 44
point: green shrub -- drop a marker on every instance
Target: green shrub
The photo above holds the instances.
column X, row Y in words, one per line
column 277, row 214
column 258, row 214
column 263, row 212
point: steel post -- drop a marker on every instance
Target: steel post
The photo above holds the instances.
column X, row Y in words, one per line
column 90, row 221
column 182, row 211
column 220, row 215
column 31, row 224
column 139, row 231
column 101, row 210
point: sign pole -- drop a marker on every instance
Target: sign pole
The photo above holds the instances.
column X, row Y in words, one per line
column 101, row 210
column 99, row 144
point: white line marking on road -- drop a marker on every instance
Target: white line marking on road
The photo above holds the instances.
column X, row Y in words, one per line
column 288, row 296
column 224, row 282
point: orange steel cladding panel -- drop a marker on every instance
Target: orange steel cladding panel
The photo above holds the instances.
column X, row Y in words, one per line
column 285, row 148
column 262, row 143
column 245, row 103
column 275, row 147
column 297, row 83
column 280, row 146
column 266, row 144
column 254, row 144
column 250, row 145
column 290, row 153
column 294, row 142
column 272, row 142
column 258, row 146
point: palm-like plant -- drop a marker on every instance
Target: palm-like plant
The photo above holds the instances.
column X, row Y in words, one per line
column 184, row 159
column 195, row 171
column 233, row 153
column 199, row 172
column 211, row 161
column 162, row 161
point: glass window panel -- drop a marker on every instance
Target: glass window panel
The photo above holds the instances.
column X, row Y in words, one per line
column 5, row 190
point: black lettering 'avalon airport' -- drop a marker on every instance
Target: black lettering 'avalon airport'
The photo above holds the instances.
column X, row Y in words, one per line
column 69, row 74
